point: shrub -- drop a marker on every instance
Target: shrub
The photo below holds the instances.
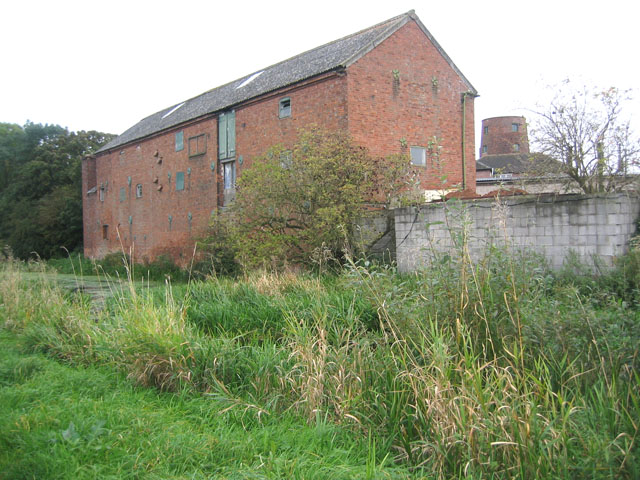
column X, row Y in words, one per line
column 291, row 203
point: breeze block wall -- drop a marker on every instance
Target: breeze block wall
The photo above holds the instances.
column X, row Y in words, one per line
column 588, row 225
column 404, row 93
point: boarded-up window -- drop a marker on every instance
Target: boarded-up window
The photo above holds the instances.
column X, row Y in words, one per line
column 179, row 141
column 197, row 145
column 179, row 180
column 227, row 135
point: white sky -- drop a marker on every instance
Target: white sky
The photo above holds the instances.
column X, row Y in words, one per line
column 104, row 65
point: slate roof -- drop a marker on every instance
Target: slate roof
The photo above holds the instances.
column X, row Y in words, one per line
column 331, row 56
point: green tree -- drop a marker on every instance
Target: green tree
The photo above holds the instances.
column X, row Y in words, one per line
column 291, row 203
column 12, row 144
column 40, row 187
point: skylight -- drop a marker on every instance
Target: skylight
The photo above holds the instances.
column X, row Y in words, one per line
column 172, row 110
column 250, row 79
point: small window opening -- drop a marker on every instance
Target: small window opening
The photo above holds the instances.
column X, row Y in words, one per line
column 515, row 127
column 179, row 141
column 285, row 108
column 286, row 159
column 486, row 130
column 139, row 190
column 105, row 232
column 516, row 147
column 101, row 193
column 484, row 149
column 419, row 156
column 123, row 194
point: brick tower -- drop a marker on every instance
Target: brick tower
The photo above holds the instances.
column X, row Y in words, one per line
column 503, row 135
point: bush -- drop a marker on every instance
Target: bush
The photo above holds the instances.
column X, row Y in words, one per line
column 291, row 203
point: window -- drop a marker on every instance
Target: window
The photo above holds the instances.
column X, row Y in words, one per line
column 286, row 159
column 484, row 149
column 486, row 130
column 105, row 232
column 227, row 135
column 515, row 127
column 516, row 147
column 123, row 194
column 179, row 141
column 197, row 145
column 284, row 108
column 139, row 190
column 229, row 172
column 419, row 156
column 179, row 181
column 101, row 193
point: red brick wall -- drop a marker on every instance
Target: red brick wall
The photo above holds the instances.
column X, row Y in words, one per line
column 321, row 102
column 378, row 110
column 258, row 126
column 149, row 234
column 386, row 112
column 500, row 138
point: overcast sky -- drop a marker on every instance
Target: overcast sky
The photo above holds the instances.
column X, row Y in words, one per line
column 104, row 65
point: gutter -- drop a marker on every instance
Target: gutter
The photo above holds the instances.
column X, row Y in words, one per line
column 472, row 94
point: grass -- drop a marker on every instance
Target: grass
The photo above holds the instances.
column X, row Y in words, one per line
column 61, row 421
column 494, row 369
column 119, row 266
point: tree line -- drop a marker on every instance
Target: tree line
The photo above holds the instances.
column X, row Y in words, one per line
column 40, row 187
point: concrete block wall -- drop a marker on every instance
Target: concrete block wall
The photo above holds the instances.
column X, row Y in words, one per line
column 588, row 225
column 375, row 234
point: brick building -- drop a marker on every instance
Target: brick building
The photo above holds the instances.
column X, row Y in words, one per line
column 391, row 87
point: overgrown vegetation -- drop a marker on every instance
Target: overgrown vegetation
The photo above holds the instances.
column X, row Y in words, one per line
column 290, row 202
column 494, row 369
column 118, row 265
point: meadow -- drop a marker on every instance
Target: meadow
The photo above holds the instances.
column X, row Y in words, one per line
column 496, row 369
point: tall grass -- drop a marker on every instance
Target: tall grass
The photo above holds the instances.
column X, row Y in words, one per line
column 490, row 369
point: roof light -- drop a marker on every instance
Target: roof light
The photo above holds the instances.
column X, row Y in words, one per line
column 172, row 110
column 250, row 79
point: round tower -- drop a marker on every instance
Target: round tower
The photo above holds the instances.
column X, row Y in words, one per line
column 502, row 135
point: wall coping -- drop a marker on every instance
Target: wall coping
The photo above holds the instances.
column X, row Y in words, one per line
column 543, row 198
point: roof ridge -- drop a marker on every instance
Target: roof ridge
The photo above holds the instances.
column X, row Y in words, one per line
column 331, row 56
column 360, row 32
